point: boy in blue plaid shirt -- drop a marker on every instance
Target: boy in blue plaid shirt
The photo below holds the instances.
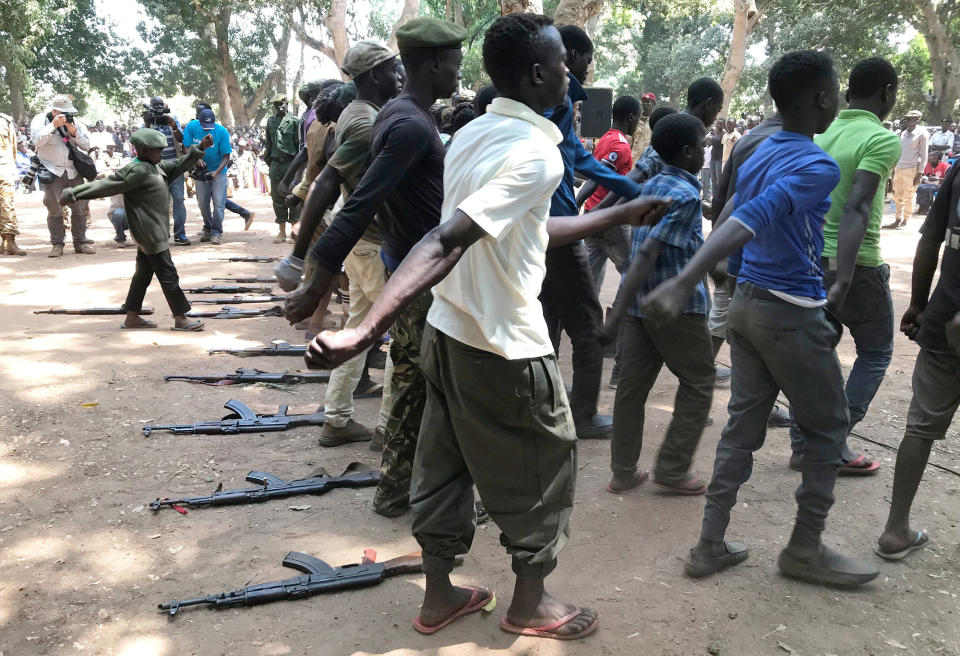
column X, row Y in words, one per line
column 683, row 344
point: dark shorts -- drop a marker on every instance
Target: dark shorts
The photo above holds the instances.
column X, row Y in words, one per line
column 936, row 395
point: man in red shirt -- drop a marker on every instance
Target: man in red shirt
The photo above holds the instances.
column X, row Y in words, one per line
column 933, row 174
column 613, row 149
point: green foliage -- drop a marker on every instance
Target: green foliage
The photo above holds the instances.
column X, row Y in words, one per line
column 913, row 66
column 637, row 53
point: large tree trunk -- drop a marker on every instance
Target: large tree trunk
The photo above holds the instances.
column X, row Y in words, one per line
column 297, row 81
column 944, row 59
column 521, row 7
column 411, row 9
column 15, row 81
column 576, row 12
column 746, row 17
column 336, row 23
column 231, row 106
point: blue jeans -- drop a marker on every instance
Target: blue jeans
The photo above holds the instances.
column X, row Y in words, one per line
column 868, row 315
column 214, row 192
column 179, row 209
column 236, row 209
column 118, row 217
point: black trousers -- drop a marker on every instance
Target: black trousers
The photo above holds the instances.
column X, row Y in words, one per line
column 161, row 265
column 570, row 303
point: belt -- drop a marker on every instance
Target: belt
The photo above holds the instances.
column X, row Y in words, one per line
column 752, row 291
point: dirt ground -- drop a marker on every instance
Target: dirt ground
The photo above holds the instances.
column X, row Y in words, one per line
column 84, row 562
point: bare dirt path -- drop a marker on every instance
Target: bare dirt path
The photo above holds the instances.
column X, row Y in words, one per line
column 84, row 562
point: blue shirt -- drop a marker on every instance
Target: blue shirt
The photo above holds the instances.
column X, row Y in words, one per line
column 783, row 193
column 649, row 164
column 577, row 158
column 680, row 231
column 193, row 133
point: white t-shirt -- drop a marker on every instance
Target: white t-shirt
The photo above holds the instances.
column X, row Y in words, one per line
column 501, row 171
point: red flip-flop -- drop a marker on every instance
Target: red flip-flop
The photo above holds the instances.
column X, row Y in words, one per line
column 473, row 605
column 859, row 466
column 549, row 630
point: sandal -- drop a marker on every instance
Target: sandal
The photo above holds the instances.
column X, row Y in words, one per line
column 639, row 478
column 550, row 630
column 919, row 542
column 193, row 326
column 693, row 486
column 146, row 325
column 862, row 465
column 475, row 603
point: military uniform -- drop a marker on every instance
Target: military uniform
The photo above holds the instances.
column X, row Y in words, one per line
column 8, row 172
column 283, row 143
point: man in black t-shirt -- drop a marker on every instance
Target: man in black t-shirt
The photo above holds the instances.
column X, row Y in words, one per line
column 403, row 187
column 934, row 322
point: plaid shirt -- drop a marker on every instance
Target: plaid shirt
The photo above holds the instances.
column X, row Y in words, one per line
column 680, row 230
column 650, row 163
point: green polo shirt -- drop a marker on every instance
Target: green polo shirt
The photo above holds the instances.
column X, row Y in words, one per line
column 857, row 141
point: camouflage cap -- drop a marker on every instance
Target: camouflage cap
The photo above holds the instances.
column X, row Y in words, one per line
column 148, row 138
column 279, row 98
column 365, row 56
column 308, row 89
column 430, row 33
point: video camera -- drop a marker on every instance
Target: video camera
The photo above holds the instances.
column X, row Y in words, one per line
column 158, row 111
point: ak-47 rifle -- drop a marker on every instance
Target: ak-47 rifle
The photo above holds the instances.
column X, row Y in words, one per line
column 319, row 577
column 256, row 376
column 226, row 289
column 241, row 279
column 99, row 310
column 237, row 313
column 240, row 299
column 243, row 420
column 280, row 348
column 245, row 259
column 274, row 487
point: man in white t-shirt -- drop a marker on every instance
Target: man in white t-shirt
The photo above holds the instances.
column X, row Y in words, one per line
column 497, row 414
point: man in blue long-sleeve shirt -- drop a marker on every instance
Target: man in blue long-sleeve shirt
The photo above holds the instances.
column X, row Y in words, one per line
column 568, row 296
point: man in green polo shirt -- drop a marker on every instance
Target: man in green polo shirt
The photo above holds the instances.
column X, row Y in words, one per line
column 282, row 145
column 854, row 272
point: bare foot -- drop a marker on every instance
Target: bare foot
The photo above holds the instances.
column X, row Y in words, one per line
column 620, row 484
column 442, row 599
column 534, row 607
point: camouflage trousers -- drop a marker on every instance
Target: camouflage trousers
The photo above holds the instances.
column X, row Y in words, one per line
column 8, row 215
column 392, row 497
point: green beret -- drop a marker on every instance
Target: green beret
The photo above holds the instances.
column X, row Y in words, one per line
column 430, row 33
column 308, row 89
column 347, row 93
column 148, row 138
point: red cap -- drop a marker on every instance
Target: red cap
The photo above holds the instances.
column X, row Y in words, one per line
column 648, row 96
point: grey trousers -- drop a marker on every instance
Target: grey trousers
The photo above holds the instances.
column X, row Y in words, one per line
column 775, row 345
column 504, row 426
column 684, row 346
column 78, row 211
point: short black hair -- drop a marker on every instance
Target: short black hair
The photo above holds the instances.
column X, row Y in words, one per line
column 463, row 113
column 511, row 46
column 484, row 97
column 574, row 38
column 702, row 89
column 624, row 106
column 798, row 71
column 658, row 114
column 871, row 75
column 675, row 131
column 326, row 100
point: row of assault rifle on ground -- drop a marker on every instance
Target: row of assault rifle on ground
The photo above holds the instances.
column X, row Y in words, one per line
column 317, row 576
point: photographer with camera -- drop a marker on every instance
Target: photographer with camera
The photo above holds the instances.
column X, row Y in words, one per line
column 50, row 133
column 157, row 116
